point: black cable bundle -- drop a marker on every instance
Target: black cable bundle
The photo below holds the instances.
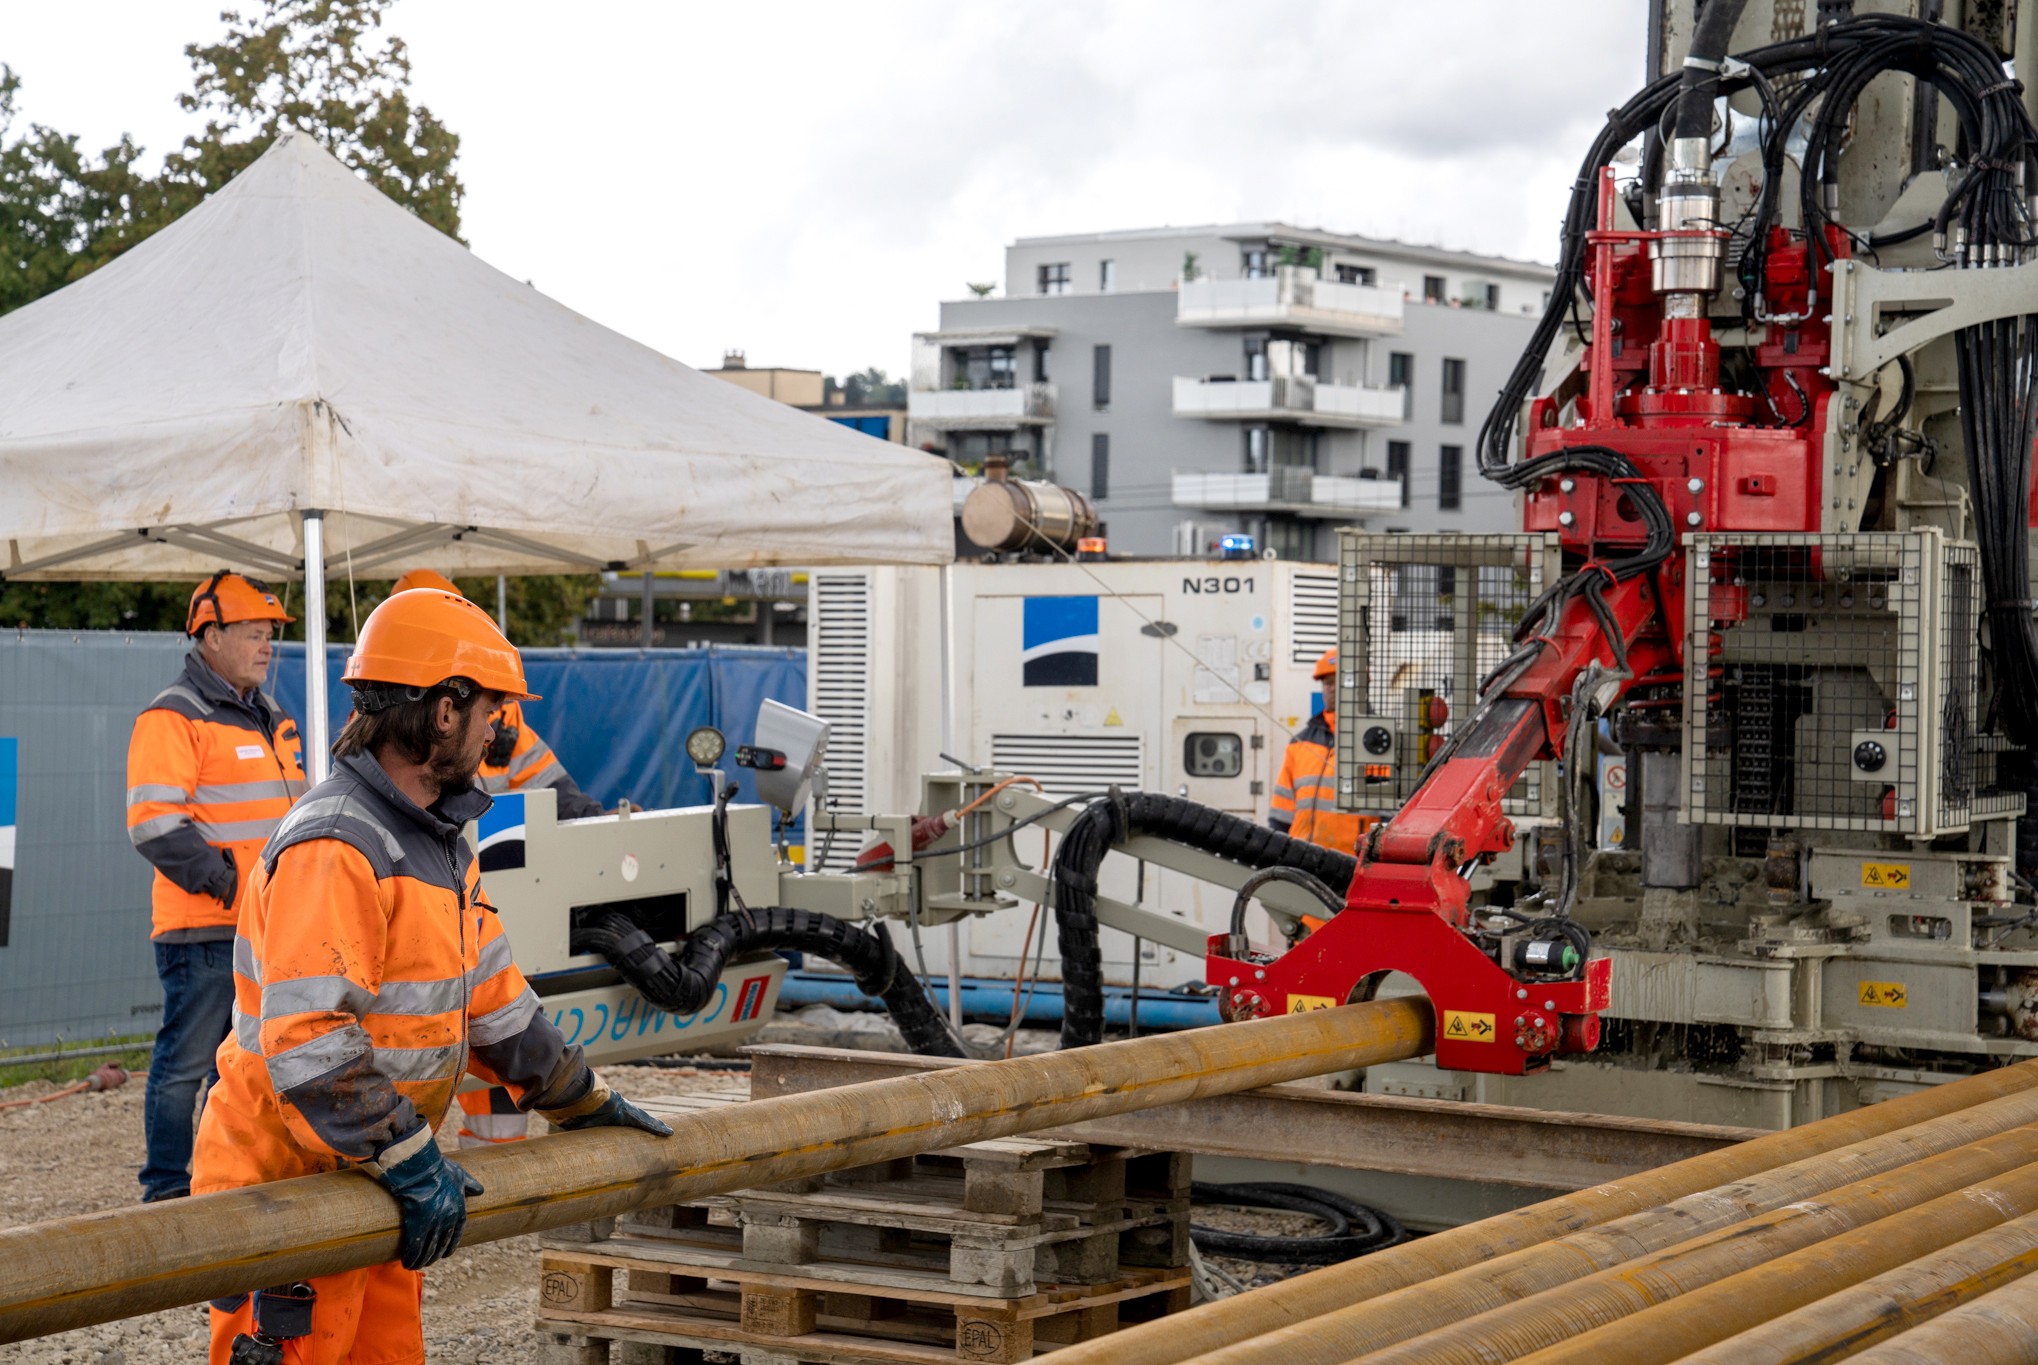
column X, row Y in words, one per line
column 1355, row 1228
column 685, row 983
column 1113, row 820
column 1998, row 413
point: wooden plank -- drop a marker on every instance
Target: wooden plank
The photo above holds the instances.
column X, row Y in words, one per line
column 826, row 1348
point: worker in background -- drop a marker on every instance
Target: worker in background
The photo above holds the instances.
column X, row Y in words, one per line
column 518, row 759
column 370, row 972
column 1305, row 794
column 211, row 768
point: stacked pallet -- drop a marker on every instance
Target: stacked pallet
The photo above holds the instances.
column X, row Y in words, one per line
column 988, row 1252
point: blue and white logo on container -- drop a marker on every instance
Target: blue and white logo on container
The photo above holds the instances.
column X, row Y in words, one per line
column 501, row 833
column 1059, row 642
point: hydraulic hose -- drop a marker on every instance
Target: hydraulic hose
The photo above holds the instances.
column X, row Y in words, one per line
column 1355, row 1228
column 1699, row 81
column 1119, row 817
column 685, row 982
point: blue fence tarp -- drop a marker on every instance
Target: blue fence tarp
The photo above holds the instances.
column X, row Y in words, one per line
column 618, row 718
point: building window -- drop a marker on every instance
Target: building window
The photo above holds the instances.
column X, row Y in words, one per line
column 1357, row 274
column 1255, row 358
column 1397, row 466
column 1450, row 478
column 1040, row 362
column 1401, row 375
column 1100, row 466
column 1107, row 276
column 1001, row 369
column 1432, row 287
column 1256, row 447
column 1256, row 262
column 1100, row 377
column 1492, row 298
column 1454, row 393
column 1054, row 279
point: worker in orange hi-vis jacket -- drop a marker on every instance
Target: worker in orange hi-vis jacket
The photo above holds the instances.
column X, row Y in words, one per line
column 516, row 760
column 211, row 769
column 371, row 975
column 1305, row 794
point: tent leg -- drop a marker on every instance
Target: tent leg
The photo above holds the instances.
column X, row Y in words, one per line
column 317, row 744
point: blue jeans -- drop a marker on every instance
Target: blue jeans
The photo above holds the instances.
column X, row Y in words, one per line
column 198, row 997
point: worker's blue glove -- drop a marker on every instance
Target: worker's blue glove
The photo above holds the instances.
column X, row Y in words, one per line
column 601, row 1107
column 431, row 1193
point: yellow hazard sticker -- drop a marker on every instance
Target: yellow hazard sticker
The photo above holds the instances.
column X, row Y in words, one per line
column 1302, row 1004
column 1886, row 876
column 1468, row 1028
column 1889, row 995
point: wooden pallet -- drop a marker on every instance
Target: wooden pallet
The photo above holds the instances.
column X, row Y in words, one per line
column 979, row 1253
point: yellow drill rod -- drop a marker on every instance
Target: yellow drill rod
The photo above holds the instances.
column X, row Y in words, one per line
column 2000, row 1328
column 1640, row 1307
column 1875, row 1310
column 1915, row 1248
column 79, row 1271
column 1302, row 1302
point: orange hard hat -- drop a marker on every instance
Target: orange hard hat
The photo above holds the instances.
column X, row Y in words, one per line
column 418, row 639
column 227, row 597
column 1327, row 665
column 425, row 578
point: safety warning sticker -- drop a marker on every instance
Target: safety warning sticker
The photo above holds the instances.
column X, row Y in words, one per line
column 1889, row 995
column 1302, row 1004
column 1468, row 1028
column 1886, row 876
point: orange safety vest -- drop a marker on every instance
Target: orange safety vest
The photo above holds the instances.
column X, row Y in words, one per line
column 370, row 975
column 1305, row 794
column 529, row 763
column 207, row 770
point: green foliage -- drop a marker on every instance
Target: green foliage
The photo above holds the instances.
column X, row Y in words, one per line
column 543, row 608
column 1191, row 271
column 983, row 290
column 869, row 386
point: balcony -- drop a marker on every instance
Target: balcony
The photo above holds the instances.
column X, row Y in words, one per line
column 1291, row 297
column 1288, row 399
column 1299, row 492
column 982, row 409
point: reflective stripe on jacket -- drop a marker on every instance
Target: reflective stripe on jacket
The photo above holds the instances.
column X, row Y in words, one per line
column 1305, row 794
column 533, row 764
column 370, row 975
column 207, row 770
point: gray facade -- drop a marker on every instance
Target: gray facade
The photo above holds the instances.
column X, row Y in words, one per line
column 1162, row 451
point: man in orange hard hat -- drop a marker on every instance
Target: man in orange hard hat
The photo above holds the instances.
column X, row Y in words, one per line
column 211, row 768
column 1305, row 794
column 517, row 759
column 371, row 973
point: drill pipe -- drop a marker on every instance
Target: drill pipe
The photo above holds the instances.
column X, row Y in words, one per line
column 1259, row 1316
column 1998, row 1328
column 80, row 1271
column 1641, row 1307
column 1861, row 1312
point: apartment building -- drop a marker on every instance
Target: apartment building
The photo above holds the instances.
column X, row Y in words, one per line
column 1255, row 378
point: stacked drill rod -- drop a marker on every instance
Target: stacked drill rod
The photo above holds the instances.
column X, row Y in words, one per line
column 1899, row 1232
column 80, row 1271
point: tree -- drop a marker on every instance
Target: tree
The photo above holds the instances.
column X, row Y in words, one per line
column 320, row 66
column 873, row 386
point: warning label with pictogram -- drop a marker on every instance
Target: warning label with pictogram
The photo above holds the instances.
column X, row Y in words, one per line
column 1889, row 995
column 1886, row 876
column 1302, row 1004
column 1468, row 1028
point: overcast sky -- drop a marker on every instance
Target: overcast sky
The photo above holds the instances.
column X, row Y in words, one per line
column 806, row 181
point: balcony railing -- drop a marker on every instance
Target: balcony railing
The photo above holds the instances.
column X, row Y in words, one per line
column 1288, row 399
column 1298, row 491
column 1022, row 405
column 1292, row 296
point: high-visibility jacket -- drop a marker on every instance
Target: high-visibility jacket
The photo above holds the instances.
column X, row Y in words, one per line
column 208, row 771
column 1305, row 794
column 370, row 975
column 529, row 762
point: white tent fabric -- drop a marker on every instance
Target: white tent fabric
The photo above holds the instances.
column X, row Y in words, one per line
column 299, row 343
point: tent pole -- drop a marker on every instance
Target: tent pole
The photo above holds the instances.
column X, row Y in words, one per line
column 502, row 603
column 317, row 744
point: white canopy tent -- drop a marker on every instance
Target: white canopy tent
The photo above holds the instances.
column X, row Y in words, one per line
column 300, row 378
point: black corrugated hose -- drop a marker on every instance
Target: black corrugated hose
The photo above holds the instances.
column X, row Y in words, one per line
column 1355, row 1229
column 686, row 982
column 1113, row 820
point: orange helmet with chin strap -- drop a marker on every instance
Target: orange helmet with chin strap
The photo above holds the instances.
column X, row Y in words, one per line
column 227, row 597
column 423, row 637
